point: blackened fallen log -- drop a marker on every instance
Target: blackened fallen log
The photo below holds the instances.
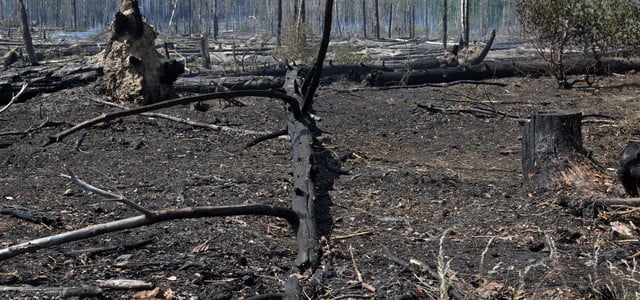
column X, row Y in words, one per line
column 212, row 85
column 486, row 70
column 46, row 79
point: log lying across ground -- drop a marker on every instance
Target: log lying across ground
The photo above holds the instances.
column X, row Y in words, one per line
column 46, row 78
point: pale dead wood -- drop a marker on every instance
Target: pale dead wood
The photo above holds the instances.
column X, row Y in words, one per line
column 142, row 220
column 634, row 202
column 107, row 194
column 14, row 98
column 61, row 292
column 124, row 284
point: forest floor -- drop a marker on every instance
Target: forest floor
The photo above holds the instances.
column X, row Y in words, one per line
column 424, row 190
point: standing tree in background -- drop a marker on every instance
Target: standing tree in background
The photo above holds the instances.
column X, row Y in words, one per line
column 376, row 24
column 464, row 21
column 444, row 24
column 26, row 34
column 279, row 24
column 364, row 18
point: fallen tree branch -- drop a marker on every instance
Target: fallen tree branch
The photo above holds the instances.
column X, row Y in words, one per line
column 188, row 122
column 108, row 195
column 139, row 221
column 14, row 98
column 84, row 291
column 32, row 129
column 98, row 250
column 265, row 137
column 292, row 102
column 474, row 111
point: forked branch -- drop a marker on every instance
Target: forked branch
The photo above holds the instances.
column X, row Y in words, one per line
column 149, row 217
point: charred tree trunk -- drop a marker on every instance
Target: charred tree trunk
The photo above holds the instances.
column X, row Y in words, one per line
column 464, row 21
column 216, row 26
column 134, row 70
column 390, row 19
column 279, row 26
column 310, row 197
column 26, row 34
column 376, row 24
column 444, row 24
column 364, row 18
column 204, row 51
column 552, row 141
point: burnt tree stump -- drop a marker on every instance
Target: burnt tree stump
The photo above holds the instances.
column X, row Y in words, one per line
column 133, row 70
column 552, row 141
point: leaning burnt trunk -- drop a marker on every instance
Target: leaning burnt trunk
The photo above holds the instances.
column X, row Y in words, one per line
column 133, row 70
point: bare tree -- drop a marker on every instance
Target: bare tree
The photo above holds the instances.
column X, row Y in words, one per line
column 464, row 22
column 364, row 18
column 26, row 34
column 444, row 24
column 376, row 24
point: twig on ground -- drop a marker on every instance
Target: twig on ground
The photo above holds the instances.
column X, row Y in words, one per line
column 262, row 138
column 142, row 220
column 474, row 111
column 98, row 250
column 188, row 122
column 355, row 265
column 348, row 236
column 108, row 195
column 46, row 123
column 62, row 292
column 14, row 98
column 149, row 217
column 291, row 101
column 124, row 284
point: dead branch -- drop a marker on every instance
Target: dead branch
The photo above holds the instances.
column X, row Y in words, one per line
column 14, row 98
column 84, row 291
column 99, row 250
column 188, row 122
column 149, row 217
column 44, row 124
column 108, row 195
column 266, row 137
column 292, row 102
column 474, row 111
column 124, row 284
column 139, row 221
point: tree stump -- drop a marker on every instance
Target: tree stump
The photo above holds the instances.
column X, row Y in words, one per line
column 552, row 141
column 133, row 70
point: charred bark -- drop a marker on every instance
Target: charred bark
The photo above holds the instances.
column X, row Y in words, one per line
column 552, row 141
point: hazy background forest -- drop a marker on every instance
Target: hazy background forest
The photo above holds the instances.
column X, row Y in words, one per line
column 397, row 18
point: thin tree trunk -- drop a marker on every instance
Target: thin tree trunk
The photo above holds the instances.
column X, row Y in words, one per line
column 376, row 23
column 426, row 19
column 74, row 5
column 444, row 24
column 364, row 18
column 464, row 22
column 279, row 25
column 216, row 26
column 26, row 34
column 390, row 19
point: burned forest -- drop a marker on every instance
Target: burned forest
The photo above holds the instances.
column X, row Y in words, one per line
column 319, row 149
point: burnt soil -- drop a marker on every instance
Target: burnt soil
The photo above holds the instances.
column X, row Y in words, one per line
column 422, row 187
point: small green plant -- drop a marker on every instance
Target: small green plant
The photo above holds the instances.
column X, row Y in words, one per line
column 296, row 46
column 559, row 27
column 348, row 54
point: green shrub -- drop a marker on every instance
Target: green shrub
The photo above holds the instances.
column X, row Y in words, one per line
column 348, row 54
column 296, row 46
column 590, row 27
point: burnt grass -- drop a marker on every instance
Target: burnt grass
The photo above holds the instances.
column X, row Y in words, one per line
column 422, row 186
